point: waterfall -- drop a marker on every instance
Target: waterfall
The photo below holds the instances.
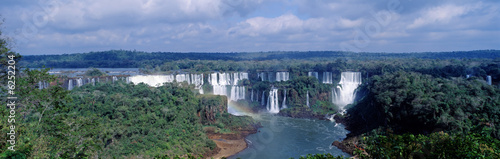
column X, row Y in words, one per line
column 307, row 99
column 40, row 85
column 43, row 84
column 284, row 100
column 70, row 84
column 237, row 93
column 272, row 104
column 79, row 82
column 152, row 80
column 313, row 74
column 344, row 93
column 251, row 96
column 181, row 78
column 235, row 78
column 114, row 79
column 330, row 117
column 93, row 81
column 488, row 78
column 262, row 101
column 220, row 90
column 262, row 76
column 212, row 79
column 327, row 78
column 197, row 80
column 282, row 76
column 221, row 82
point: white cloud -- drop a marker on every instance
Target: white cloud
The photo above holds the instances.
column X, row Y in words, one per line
column 440, row 15
column 290, row 24
column 252, row 25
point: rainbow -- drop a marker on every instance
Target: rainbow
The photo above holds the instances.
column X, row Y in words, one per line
column 238, row 109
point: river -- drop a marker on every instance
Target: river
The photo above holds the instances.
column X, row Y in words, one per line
column 284, row 137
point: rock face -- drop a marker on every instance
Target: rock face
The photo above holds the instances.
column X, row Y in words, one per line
column 211, row 106
column 347, row 145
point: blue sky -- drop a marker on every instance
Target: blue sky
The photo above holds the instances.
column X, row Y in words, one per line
column 60, row 26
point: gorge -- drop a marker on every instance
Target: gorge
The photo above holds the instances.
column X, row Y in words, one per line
column 275, row 97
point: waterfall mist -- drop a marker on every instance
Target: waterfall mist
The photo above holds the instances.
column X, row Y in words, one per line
column 344, row 93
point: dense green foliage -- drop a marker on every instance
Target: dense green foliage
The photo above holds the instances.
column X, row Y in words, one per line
column 435, row 145
column 94, row 72
column 113, row 120
column 134, row 59
column 409, row 102
column 139, row 120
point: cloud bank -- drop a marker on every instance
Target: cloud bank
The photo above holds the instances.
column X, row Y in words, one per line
column 56, row 26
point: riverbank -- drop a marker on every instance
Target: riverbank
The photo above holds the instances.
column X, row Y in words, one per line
column 352, row 141
column 229, row 144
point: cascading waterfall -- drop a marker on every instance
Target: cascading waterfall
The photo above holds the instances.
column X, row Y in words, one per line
column 488, row 79
column 262, row 76
column 272, row 104
column 327, row 78
column 307, row 99
column 344, row 93
column 262, row 101
column 221, row 82
column 79, row 82
column 43, row 84
column 182, row 78
column 70, row 84
column 284, row 100
column 152, row 80
column 282, row 76
column 158, row 80
column 251, row 96
column 330, row 117
column 313, row 74
column 237, row 93
column 197, row 80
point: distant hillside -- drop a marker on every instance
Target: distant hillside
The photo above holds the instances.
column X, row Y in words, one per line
column 134, row 59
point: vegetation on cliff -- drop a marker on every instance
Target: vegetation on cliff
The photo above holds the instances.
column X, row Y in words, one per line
column 114, row 120
column 409, row 114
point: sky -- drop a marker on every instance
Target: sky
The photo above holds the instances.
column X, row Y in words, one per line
column 64, row 26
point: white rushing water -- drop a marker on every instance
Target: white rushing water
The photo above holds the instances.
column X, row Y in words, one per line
column 237, row 93
column 282, row 76
column 152, row 80
column 313, row 74
column 307, row 99
column 262, row 76
column 283, row 106
column 222, row 82
column 79, row 82
column 70, row 84
column 327, row 78
column 276, row 77
column 272, row 103
column 42, row 85
column 262, row 101
column 158, row 80
column 344, row 94
column 488, row 79
column 251, row 96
